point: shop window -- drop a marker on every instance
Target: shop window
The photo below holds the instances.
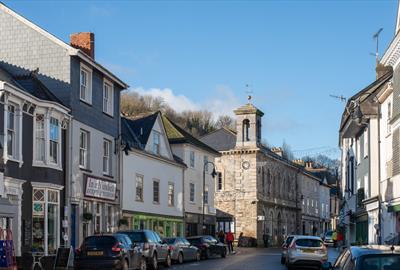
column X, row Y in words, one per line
column 97, row 218
column 45, row 211
column 109, row 218
column 87, row 208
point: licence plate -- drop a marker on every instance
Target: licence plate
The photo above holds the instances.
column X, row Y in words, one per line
column 307, row 250
column 95, row 253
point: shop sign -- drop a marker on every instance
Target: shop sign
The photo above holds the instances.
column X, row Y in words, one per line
column 100, row 189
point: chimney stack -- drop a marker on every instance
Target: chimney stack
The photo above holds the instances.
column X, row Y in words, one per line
column 277, row 150
column 83, row 41
column 382, row 70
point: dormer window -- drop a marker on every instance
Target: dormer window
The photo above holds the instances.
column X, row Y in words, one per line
column 86, row 84
column 156, row 143
column 246, row 130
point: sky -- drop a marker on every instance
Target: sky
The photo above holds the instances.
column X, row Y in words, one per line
column 202, row 54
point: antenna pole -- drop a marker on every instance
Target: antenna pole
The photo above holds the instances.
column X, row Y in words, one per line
column 376, row 36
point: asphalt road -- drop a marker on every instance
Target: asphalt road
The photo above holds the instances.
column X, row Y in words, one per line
column 245, row 259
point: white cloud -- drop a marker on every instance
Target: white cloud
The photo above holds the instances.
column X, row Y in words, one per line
column 223, row 100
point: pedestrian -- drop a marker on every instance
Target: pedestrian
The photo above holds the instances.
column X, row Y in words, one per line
column 221, row 236
column 334, row 238
column 240, row 239
column 229, row 241
column 266, row 239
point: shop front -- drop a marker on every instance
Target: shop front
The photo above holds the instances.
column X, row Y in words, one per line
column 166, row 226
column 195, row 225
column 100, row 211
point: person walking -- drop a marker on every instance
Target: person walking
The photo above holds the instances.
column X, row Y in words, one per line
column 229, row 240
column 221, row 236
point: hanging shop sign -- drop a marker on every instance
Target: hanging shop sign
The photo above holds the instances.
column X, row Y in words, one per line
column 101, row 189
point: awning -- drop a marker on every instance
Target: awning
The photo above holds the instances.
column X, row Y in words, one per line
column 394, row 208
column 7, row 209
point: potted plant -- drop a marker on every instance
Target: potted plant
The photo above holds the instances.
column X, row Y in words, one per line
column 123, row 222
column 87, row 217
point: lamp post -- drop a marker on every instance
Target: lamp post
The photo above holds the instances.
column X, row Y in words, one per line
column 213, row 174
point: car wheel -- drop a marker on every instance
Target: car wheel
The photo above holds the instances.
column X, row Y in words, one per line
column 208, row 253
column 154, row 262
column 125, row 265
column 168, row 261
column 198, row 256
column 223, row 254
column 180, row 258
column 143, row 264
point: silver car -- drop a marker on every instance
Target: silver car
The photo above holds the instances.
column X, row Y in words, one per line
column 328, row 238
column 309, row 251
column 285, row 246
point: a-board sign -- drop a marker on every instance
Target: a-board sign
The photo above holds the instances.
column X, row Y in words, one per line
column 64, row 258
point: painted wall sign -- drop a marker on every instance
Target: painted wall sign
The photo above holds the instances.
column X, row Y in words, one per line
column 100, row 189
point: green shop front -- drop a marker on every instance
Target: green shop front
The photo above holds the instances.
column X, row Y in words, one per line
column 166, row 226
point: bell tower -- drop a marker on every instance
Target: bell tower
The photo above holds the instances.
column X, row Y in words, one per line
column 248, row 126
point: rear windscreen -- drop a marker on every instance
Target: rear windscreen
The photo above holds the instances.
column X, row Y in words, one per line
column 99, row 241
column 308, row 243
column 383, row 261
column 136, row 237
column 195, row 241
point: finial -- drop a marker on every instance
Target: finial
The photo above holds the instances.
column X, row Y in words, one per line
column 249, row 92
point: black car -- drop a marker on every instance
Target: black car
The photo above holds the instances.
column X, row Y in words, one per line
column 153, row 248
column 181, row 250
column 374, row 257
column 111, row 251
column 208, row 246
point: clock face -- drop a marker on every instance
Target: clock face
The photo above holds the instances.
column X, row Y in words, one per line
column 245, row 165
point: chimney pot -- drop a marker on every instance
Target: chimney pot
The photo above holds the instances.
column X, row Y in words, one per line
column 83, row 41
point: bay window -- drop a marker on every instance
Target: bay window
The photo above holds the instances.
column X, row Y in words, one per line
column 11, row 131
column 45, row 219
column 54, row 144
column 39, row 138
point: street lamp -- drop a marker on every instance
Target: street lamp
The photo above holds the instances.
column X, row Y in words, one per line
column 213, row 174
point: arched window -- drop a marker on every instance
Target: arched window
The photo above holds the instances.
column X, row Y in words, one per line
column 246, row 129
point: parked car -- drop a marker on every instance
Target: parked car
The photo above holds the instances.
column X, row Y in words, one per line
column 181, row 250
column 208, row 246
column 285, row 246
column 328, row 238
column 308, row 251
column 153, row 248
column 109, row 251
column 374, row 257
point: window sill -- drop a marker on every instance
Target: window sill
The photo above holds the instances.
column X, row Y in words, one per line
column 171, row 205
column 107, row 175
column 141, row 201
column 156, row 203
column 85, row 170
column 86, row 102
column 15, row 160
column 44, row 165
column 108, row 114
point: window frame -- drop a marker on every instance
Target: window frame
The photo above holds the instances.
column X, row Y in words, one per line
column 108, row 104
column 156, row 192
column 13, row 131
column 141, row 177
column 171, row 196
column 58, row 142
column 192, row 159
column 156, row 142
column 88, row 87
column 219, row 181
column 108, row 157
column 192, row 195
column 86, row 150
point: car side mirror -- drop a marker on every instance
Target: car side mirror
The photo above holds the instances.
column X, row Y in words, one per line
column 327, row 266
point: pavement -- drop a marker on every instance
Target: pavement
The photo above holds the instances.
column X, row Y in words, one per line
column 246, row 259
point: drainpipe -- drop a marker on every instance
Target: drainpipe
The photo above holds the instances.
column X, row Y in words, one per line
column 379, row 177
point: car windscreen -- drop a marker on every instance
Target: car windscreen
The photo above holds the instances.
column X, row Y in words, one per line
column 195, row 241
column 307, row 242
column 381, row 261
column 99, row 241
column 170, row 241
column 289, row 240
column 136, row 237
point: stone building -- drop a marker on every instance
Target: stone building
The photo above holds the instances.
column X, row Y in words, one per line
column 257, row 190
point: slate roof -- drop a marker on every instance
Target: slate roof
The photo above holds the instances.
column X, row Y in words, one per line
column 136, row 131
column 177, row 135
column 222, row 139
column 30, row 84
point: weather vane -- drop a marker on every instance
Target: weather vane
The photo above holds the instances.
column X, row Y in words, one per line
column 248, row 92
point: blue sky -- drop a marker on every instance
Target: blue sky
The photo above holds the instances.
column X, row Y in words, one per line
column 201, row 54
